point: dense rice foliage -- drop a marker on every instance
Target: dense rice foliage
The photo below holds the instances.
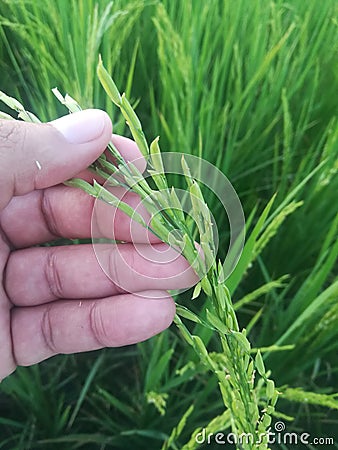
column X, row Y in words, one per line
column 252, row 87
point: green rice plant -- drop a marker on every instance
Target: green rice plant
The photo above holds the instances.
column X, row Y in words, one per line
column 254, row 107
column 234, row 367
column 252, row 88
column 79, row 29
column 266, row 126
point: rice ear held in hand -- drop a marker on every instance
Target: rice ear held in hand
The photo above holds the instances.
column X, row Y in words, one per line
column 249, row 396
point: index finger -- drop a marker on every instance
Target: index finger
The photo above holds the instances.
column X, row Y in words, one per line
column 64, row 212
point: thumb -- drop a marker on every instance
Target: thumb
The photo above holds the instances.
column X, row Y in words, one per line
column 36, row 156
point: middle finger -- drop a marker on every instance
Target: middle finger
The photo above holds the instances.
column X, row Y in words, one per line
column 39, row 275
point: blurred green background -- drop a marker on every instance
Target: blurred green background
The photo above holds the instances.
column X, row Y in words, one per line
column 251, row 86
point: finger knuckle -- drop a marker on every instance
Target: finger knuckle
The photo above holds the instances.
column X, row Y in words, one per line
column 52, row 274
column 98, row 325
column 47, row 331
column 12, row 133
column 48, row 214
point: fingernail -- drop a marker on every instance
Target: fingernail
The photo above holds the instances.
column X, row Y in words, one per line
column 81, row 127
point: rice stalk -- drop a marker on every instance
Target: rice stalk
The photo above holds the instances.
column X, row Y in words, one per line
column 248, row 394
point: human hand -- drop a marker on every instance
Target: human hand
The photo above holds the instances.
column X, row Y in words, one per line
column 58, row 299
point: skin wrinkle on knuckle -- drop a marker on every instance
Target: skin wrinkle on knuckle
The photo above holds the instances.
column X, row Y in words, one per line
column 47, row 331
column 48, row 214
column 52, row 274
column 12, row 140
column 97, row 325
column 11, row 132
column 15, row 144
